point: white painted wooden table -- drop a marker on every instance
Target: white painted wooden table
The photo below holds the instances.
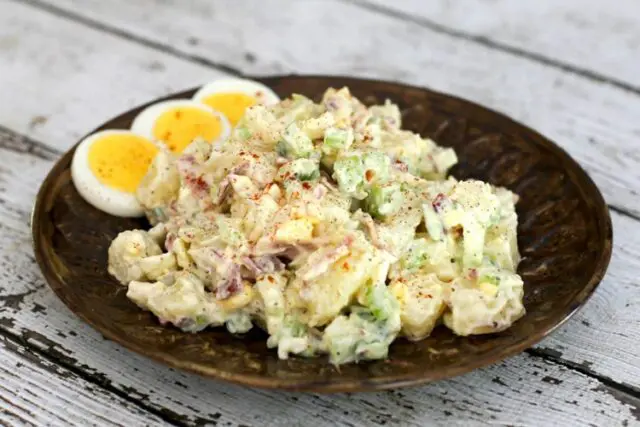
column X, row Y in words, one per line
column 570, row 69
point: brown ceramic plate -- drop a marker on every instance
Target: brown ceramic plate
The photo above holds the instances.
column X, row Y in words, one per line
column 564, row 237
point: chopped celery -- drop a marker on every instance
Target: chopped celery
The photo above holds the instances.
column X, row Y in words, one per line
column 282, row 149
column 341, row 346
column 337, row 139
column 380, row 301
column 432, row 222
column 495, row 218
column 417, row 255
column 299, row 169
column 243, row 132
column 305, row 169
column 376, row 166
column 294, row 143
column 202, row 320
column 493, row 280
column 239, row 323
column 349, row 172
column 296, row 328
column 360, row 336
column 384, row 200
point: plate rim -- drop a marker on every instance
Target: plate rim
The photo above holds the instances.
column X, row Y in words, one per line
column 372, row 384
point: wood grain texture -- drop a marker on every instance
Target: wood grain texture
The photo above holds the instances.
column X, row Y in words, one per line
column 604, row 337
column 595, row 36
column 596, row 123
column 524, row 390
column 35, row 391
column 30, row 311
column 64, row 79
column 565, row 236
column 79, row 97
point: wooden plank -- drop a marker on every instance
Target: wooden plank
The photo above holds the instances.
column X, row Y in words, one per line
column 35, row 391
column 595, row 37
column 30, row 311
column 64, row 80
column 604, row 336
column 594, row 122
column 536, row 391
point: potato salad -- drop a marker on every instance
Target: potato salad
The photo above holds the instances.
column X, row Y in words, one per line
column 328, row 226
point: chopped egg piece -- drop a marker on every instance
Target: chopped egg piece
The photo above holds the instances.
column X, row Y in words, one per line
column 295, row 230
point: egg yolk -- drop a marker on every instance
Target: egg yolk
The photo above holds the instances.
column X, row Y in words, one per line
column 121, row 161
column 178, row 127
column 232, row 105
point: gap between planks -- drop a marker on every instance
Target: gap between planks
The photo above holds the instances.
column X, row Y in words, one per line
column 364, row 4
column 23, row 144
column 495, row 45
column 95, row 24
column 12, row 141
column 26, row 375
column 101, row 26
column 547, row 354
column 576, row 137
column 165, row 48
column 23, row 342
column 222, row 67
column 622, row 396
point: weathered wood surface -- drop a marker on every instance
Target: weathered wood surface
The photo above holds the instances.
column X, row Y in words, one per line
column 596, row 38
column 594, row 122
column 65, row 71
column 31, row 313
column 611, row 170
column 36, row 391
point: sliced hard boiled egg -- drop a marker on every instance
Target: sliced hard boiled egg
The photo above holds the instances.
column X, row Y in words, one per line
column 107, row 168
column 178, row 123
column 233, row 96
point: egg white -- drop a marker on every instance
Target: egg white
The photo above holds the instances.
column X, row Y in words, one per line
column 107, row 199
column 145, row 121
column 245, row 86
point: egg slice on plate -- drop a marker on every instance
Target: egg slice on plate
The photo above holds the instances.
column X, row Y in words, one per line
column 177, row 123
column 233, row 96
column 107, row 168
